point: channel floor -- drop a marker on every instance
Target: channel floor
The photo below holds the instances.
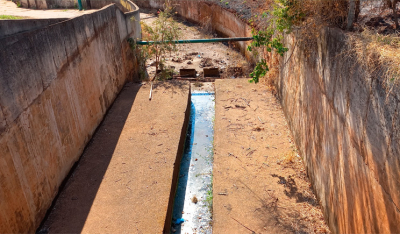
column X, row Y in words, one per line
column 124, row 179
column 260, row 183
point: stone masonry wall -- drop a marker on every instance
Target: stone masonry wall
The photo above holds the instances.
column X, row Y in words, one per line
column 56, row 84
column 347, row 129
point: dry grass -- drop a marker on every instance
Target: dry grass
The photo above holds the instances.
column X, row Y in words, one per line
column 315, row 15
column 377, row 52
column 331, row 12
column 317, row 12
column 270, row 79
column 289, row 157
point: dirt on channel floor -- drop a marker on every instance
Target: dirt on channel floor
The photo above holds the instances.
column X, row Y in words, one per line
column 230, row 62
column 124, row 179
column 260, row 184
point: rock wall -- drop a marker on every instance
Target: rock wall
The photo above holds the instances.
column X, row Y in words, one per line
column 56, row 84
column 223, row 21
column 347, row 129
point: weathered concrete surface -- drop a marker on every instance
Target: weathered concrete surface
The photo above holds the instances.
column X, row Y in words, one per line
column 128, row 17
column 122, row 184
column 54, row 4
column 347, row 129
column 10, row 8
column 124, row 5
column 9, row 27
column 222, row 20
column 254, row 187
column 56, row 85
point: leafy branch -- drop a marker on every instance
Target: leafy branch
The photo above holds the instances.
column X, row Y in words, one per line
column 283, row 15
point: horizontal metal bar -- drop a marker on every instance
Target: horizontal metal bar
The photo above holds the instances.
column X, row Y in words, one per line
column 197, row 40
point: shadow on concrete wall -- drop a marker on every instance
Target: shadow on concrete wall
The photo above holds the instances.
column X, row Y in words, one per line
column 80, row 188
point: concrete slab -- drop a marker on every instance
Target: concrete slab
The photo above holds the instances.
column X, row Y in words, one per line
column 127, row 175
column 260, row 184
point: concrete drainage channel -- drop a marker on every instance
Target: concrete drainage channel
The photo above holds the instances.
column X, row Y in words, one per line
column 192, row 205
column 192, row 212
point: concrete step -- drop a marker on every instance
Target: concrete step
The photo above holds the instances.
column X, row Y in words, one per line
column 126, row 178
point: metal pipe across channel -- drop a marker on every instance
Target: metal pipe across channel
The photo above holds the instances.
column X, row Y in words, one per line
column 197, row 40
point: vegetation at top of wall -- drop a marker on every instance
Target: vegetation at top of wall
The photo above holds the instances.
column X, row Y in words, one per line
column 377, row 53
column 209, row 197
column 18, row 3
column 307, row 18
column 269, row 38
column 10, row 17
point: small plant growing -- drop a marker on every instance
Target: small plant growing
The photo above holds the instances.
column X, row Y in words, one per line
column 209, row 199
column 162, row 33
column 198, row 84
column 307, row 16
column 9, row 17
column 166, row 73
column 209, row 196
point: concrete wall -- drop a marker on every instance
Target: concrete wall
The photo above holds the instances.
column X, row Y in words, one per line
column 129, row 15
column 54, row 4
column 347, row 129
column 124, row 5
column 223, row 21
column 51, row 4
column 56, row 84
column 9, row 27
